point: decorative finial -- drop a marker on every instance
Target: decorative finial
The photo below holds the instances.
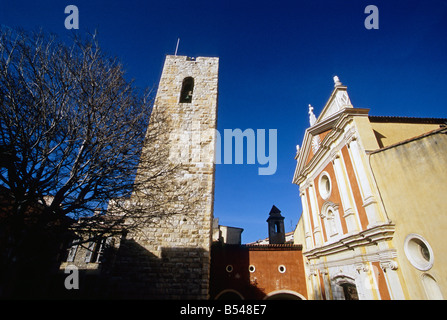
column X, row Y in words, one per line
column 297, row 148
column 312, row 118
column 337, row 81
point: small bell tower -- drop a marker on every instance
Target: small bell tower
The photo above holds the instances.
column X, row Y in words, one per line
column 277, row 234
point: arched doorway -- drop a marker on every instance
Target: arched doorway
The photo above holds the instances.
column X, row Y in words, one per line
column 350, row 291
column 348, row 287
column 229, row 295
column 284, row 295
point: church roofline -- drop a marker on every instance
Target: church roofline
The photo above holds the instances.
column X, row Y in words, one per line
column 266, row 247
column 407, row 119
column 282, row 246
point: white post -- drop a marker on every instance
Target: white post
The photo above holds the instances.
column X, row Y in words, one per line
column 176, row 48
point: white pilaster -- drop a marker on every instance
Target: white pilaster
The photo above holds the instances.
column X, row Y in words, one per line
column 366, row 282
column 315, row 213
column 369, row 201
column 350, row 215
column 389, row 268
column 307, row 225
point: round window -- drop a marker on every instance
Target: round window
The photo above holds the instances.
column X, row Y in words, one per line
column 282, row 268
column 251, row 268
column 229, row 268
column 324, row 185
column 418, row 252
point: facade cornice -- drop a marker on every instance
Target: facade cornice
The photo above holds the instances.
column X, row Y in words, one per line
column 384, row 257
column 369, row 236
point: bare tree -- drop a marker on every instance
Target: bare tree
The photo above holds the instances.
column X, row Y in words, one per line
column 72, row 129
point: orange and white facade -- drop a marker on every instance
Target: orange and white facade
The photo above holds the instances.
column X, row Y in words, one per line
column 345, row 231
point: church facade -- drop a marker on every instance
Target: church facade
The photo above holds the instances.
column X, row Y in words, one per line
column 371, row 226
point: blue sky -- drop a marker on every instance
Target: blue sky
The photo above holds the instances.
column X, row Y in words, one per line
column 276, row 57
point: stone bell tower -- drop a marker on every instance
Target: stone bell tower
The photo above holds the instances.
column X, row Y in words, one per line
column 173, row 247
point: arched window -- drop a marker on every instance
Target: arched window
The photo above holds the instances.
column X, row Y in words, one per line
column 331, row 218
column 331, row 223
column 277, row 227
column 187, row 90
column 431, row 288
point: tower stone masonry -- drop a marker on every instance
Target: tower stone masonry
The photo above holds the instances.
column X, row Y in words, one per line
column 168, row 256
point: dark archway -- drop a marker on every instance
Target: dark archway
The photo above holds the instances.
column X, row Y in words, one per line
column 284, row 295
column 229, row 295
column 350, row 291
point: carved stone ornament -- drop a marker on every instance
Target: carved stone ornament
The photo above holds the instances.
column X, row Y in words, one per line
column 315, row 144
column 389, row 264
column 350, row 136
column 361, row 267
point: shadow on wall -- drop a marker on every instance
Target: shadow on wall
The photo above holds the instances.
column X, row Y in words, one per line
column 230, row 276
column 136, row 273
column 271, row 272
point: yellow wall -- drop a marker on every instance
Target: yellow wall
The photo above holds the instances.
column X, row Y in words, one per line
column 298, row 235
column 412, row 179
column 298, row 238
column 390, row 133
column 366, row 133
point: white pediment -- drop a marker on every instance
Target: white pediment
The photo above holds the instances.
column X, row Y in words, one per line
column 338, row 100
column 335, row 108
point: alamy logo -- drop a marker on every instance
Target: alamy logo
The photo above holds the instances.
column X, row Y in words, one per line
column 72, row 20
column 254, row 141
column 234, row 146
column 372, row 20
column 72, row 280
